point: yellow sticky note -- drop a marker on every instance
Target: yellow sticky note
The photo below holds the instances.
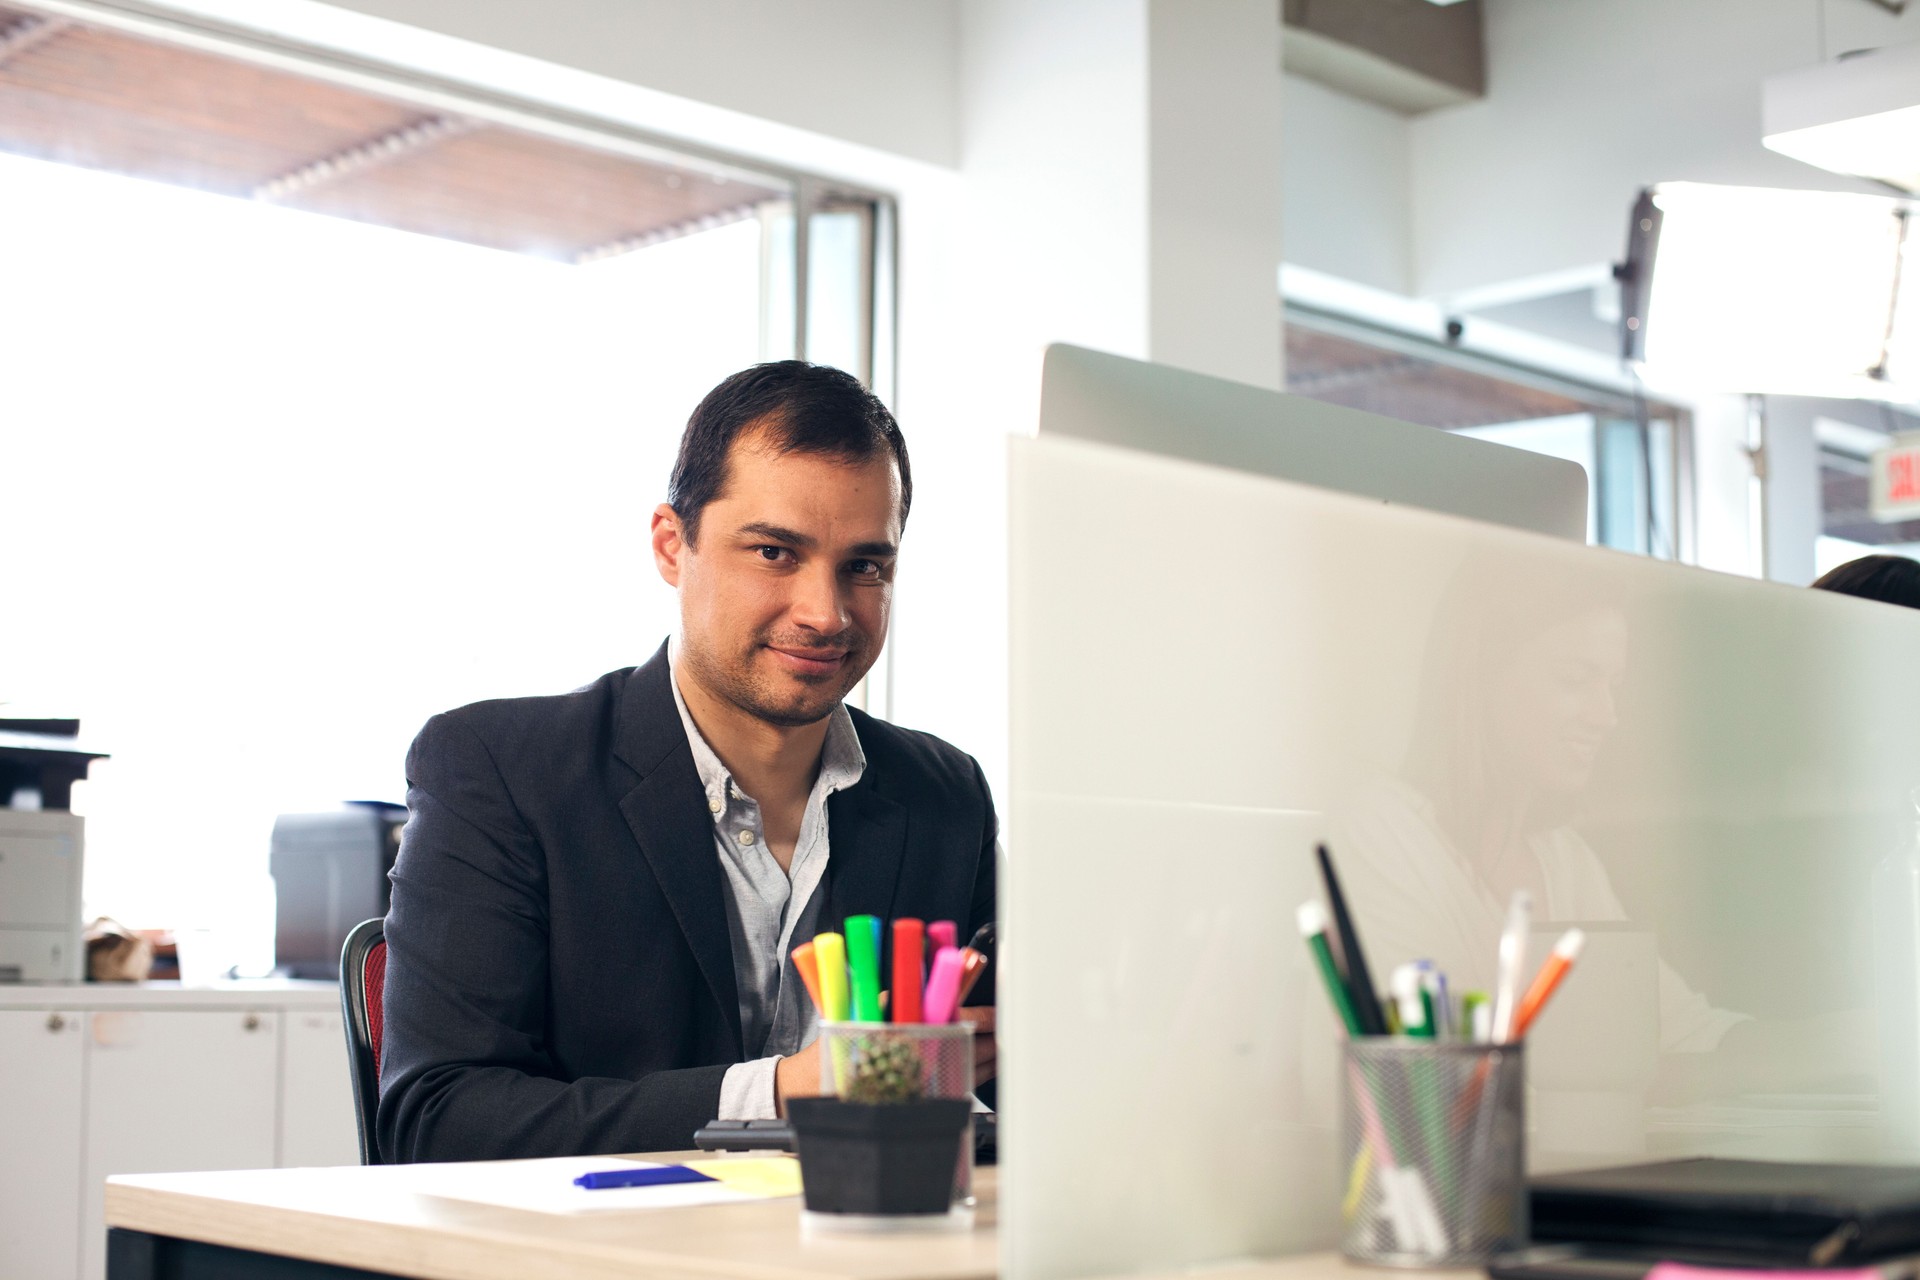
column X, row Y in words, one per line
column 768, row 1177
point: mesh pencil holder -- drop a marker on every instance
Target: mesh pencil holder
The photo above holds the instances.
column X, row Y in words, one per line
column 882, row 1062
column 1434, row 1152
column 888, row 1061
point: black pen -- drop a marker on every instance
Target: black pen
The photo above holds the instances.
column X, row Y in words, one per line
column 1366, row 1001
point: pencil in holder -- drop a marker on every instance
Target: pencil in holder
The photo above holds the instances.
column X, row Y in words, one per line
column 1434, row 1152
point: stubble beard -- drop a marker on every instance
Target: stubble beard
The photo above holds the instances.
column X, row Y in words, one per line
column 760, row 697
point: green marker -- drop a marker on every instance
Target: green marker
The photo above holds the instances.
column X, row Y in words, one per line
column 863, row 967
column 1415, row 1006
column 1474, row 1024
column 1313, row 927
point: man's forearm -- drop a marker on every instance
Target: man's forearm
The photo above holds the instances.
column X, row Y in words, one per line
column 498, row 1113
column 747, row 1091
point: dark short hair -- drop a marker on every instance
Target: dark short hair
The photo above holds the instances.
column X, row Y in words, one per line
column 804, row 408
column 1892, row 579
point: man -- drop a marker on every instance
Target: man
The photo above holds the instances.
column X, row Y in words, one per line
column 597, row 894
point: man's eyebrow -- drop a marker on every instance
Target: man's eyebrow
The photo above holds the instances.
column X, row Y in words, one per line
column 779, row 533
column 761, row 529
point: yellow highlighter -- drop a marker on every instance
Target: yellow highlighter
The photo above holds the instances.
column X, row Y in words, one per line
column 830, row 953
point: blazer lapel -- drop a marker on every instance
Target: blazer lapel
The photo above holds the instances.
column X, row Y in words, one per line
column 668, row 815
column 868, row 838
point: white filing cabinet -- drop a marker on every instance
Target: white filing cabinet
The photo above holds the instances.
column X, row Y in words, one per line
column 99, row 1079
column 40, row 1125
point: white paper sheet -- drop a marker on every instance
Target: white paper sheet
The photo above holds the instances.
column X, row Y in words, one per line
column 546, row 1186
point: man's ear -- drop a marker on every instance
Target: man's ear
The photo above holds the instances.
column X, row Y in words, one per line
column 669, row 543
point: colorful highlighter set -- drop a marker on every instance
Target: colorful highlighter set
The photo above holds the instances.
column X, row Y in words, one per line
column 1419, row 1004
column 842, row 972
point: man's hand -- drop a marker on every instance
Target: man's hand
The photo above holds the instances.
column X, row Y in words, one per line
column 796, row 1076
column 986, row 1051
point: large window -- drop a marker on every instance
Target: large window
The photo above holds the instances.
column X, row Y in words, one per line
column 287, row 473
column 1634, row 451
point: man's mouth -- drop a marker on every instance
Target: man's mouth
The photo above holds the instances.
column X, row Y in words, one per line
column 809, row 662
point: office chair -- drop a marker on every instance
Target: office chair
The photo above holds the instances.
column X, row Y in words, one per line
column 363, row 980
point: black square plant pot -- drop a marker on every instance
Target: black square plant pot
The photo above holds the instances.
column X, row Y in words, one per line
column 879, row 1158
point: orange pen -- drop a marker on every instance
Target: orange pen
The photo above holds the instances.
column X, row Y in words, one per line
column 972, row 965
column 1548, row 980
column 809, row 968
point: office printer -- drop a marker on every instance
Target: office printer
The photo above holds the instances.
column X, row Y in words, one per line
column 329, row 874
column 42, row 843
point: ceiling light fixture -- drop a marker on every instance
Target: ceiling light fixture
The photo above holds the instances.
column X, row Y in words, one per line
column 1859, row 115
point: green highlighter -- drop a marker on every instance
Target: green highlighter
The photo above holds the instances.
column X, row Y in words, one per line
column 863, row 966
column 1312, row 918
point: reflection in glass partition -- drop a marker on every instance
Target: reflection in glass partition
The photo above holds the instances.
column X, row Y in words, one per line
column 1708, row 775
column 1538, row 739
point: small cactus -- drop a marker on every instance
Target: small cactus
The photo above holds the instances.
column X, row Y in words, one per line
column 885, row 1069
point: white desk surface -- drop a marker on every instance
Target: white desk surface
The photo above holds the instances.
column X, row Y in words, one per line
column 375, row 1219
column 238, row 993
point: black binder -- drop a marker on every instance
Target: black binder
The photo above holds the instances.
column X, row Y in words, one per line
column 1735, row 1212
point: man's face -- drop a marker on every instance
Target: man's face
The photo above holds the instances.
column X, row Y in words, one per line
column 784, row 601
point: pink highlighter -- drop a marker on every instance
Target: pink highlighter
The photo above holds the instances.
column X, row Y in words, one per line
column 942, row 933
column 942, row 999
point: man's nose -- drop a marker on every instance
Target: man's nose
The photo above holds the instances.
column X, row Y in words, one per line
column 817, row 603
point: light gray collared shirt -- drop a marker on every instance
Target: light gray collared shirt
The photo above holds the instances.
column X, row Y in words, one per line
column 769, row 910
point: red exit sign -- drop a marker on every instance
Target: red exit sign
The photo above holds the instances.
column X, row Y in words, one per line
column 1896, row 480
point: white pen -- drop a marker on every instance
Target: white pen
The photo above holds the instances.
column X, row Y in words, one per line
column 1513, row 956
column 1404, row 986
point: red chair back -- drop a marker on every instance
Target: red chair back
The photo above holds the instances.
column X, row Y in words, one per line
column 373, row 985
column 363, row 984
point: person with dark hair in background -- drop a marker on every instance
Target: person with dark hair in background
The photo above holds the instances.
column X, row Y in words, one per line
column 597, row 894
column 1890, row 579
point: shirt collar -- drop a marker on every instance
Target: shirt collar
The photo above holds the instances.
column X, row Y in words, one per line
column 842, row 759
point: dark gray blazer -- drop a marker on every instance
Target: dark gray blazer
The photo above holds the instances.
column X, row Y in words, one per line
column 559, row 973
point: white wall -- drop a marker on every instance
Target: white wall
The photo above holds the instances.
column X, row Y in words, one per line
column 1793, row 483
column 1724, row 527
column 1118, row 188
column 1347, row 198
column 1213, row 198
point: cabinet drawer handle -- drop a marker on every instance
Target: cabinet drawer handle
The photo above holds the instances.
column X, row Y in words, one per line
column 251, row 1022
column 56, row 1023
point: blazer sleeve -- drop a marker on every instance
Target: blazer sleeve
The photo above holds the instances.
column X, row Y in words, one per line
column 986, row 870
column 464, row 1072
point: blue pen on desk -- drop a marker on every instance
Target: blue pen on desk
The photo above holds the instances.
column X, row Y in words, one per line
column 662, row 1176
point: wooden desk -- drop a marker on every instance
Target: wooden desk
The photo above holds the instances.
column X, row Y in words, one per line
column 329, row 1224
column 336, row 1224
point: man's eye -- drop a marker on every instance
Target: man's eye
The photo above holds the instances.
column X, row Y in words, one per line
column 771, row 554
column 865, row 569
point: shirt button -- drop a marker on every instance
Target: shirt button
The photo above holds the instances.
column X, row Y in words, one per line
column 714, row 806
column 746, row 837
